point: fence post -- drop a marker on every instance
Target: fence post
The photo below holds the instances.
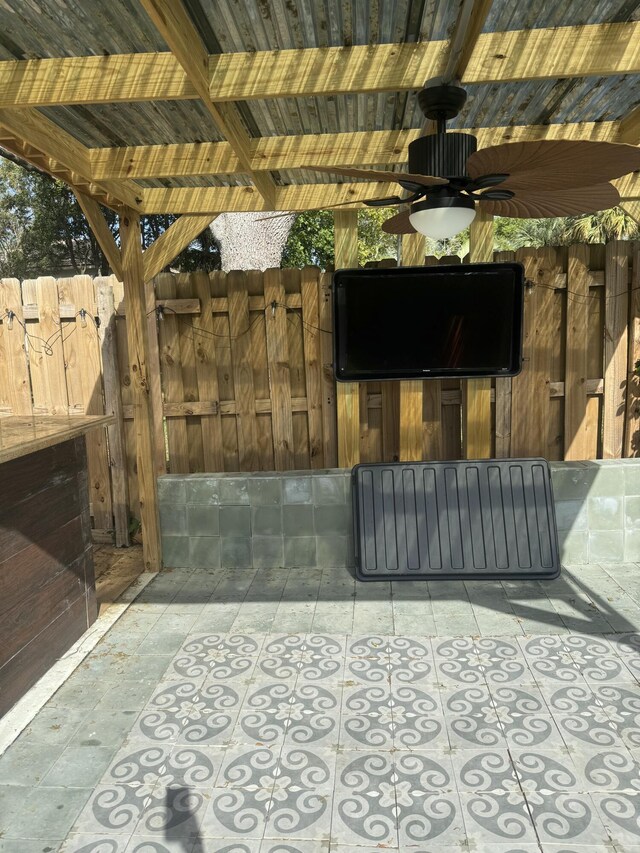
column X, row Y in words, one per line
column 141, row 365
column 347, row 393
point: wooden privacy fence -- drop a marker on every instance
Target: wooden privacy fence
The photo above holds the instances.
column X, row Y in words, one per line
column 242, row 379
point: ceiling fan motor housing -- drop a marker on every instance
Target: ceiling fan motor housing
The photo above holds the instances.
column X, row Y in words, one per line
column 444, row 155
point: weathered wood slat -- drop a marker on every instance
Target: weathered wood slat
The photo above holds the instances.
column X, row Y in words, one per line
column 278, row 358
column 207, row 375
column 615, row 347
column 16, row 390
column 171, row 371
column 242, row 361
column 312, row 363
column 328, row 388
column 89, row 368
column 113, row 406
column 188, row 346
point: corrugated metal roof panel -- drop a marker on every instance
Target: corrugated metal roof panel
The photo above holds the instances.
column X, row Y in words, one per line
column 507, row 15
column 150, row 123
column 34, row 29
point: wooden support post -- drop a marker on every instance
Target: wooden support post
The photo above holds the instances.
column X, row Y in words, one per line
column 616, row 318
column 101, row 231
column 576, row 432
column 411, row 403
column 632, row 427
column 476, row 410
column 140, row 365
column 113, row 406
column 172, row 241
column 347, row 393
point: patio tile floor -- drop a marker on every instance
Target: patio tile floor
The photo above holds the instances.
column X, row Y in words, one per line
column 295, row 711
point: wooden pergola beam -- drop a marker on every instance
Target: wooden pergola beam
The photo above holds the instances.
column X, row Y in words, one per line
column 629, row 128
column 471, row 19
column 536, row 54
column 272, row 153
column 172, row 241
column 594, row 50
column 36, row 139
column 203, row 200
column 117, row 78
column 174, row 24
column 101, row 231
column 633, row 209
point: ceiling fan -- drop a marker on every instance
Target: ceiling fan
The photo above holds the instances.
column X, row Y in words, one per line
column 447, row 176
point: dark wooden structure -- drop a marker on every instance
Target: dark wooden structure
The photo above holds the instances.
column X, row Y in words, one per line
column 47, row 587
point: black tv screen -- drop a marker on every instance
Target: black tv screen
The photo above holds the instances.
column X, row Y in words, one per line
column 428, row 322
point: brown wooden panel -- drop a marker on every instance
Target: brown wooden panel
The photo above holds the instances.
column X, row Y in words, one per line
column 295, row 334
column 329, row 411
column 31, row 662
column 25, row 620
column 255, row 283
column 226, row 388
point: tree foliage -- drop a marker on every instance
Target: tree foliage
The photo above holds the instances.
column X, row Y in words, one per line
column 311, row 239
column 43, row 230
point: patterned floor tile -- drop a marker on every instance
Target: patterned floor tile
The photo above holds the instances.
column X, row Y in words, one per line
column 578, row 730
column 226, row 845
column 608, row 770
column 217, row 655
column 621, row 704
column 315, row 657
column 364, row 804
column 550, row 661
column 597, row 659
column 83, row 843
column 427, row 818
column 620, row 813
column 546, row 770
column 484, row 771
column 570, row 817
column 497, row 818
column 471, row 720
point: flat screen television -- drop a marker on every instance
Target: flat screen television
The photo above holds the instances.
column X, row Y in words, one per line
column 428, row 322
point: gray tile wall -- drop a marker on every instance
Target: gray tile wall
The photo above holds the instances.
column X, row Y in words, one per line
column 304, row 518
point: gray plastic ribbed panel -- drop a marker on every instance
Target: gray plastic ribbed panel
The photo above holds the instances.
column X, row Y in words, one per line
column 476, row 519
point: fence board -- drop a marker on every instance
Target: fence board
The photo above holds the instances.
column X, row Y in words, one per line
column 207, row 374
column 105, row 310
column 615, row 346
column 126, row 395
column 190, row 379
column 279, row 370
column 312, row 370
column 87, row 344
column 46, row 357
column 171, row 370
column 632, row 426
column 295, row 332
column 225, row 373
column 242, row 360
column 261, row 368
column 16, row 392
column 329, row 412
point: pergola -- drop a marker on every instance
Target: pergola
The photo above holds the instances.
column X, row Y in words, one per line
column 198, row 107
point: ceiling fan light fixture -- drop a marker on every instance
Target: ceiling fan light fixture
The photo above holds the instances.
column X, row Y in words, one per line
column 442, row 216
